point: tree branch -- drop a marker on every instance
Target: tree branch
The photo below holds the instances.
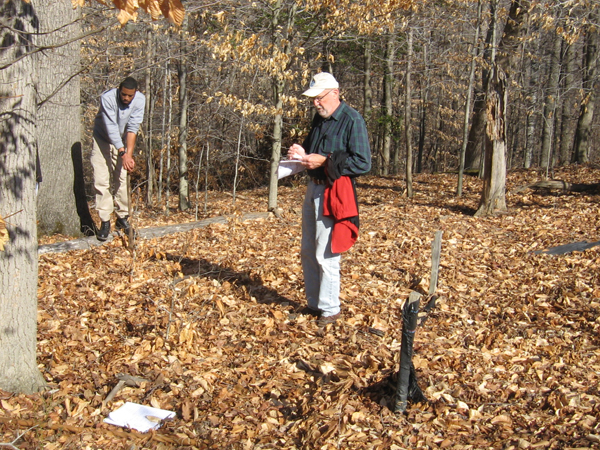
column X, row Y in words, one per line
column 12, row 444
column 50, row 47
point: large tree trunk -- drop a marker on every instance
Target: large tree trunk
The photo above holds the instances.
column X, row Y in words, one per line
column 463, row 150
column 184, row 189
column 493, row 197
column 586, row 115
column 61, row 195
column 476, row 132
column 19, row 260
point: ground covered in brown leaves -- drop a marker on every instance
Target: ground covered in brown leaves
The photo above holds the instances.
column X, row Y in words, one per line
column 509, row 358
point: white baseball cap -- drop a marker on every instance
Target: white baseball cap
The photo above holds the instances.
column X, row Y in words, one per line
column 320, row 82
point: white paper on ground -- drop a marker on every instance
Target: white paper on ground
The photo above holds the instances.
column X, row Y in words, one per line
column 139, row 417
column 289, row 167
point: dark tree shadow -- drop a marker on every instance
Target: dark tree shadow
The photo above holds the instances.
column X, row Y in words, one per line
column 254, row 284
column 86, row 223
column 384, row 391
column 379, row 187
column 458, row 209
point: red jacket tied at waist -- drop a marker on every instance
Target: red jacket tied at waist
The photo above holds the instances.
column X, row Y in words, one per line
column 339, row 203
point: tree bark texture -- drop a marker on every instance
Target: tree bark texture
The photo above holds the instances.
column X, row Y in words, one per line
column 461, row 161
column 167, row 148
column 493, row 197
column 550, row 104
column 148, row 115
column 423, row 109
column 19, row 260
column 278, row 86
column 184, row 189
column 476, row 132
column 368, row 91
column 388, row 80
column 567, row 111
column 281, row 39
column 408, row 114
column 61, row 202
column 586, row 115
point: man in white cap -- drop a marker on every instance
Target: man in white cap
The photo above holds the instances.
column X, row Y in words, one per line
column 337, row 147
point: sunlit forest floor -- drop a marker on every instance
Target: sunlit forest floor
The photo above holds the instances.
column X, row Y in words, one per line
column 508, row 358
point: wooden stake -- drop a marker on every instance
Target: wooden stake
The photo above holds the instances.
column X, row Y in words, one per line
column 436, row 249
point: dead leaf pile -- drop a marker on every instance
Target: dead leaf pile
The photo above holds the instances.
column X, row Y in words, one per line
column 508, row 358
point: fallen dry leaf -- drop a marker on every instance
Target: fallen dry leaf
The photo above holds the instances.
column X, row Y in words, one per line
column 508, row 358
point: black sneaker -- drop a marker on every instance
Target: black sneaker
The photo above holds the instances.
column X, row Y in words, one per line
column 103, row 231
column 123, row 224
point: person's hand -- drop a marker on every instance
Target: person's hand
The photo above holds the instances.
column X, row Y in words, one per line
column 128, row 162
column 296, row 152
column 313, row 161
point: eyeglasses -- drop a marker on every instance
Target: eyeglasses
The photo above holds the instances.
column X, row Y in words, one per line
column 319, row 99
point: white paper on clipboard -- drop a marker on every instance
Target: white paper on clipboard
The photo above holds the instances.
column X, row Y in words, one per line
column 289, row 167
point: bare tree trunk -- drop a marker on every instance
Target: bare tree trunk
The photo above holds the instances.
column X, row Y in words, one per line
column 368, row 91
column 473, row 151
column 206, row 168
column 463, row 150
column 424, row 94
column 586, row 115
column 408, row 114
column 184, row 194
column 567, row 112
column 277, row 136
column 278, row 85
column 282, row 42
column 200, row 154
column 550, row 104
column 493, row 197
column 61, row 195
column 163, row 133
column 531, row 120
column 149, row 113
column 168, row 147
column 19, row 260
column 388, row 80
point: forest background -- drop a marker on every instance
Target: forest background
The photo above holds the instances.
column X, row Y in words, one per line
column 224, row 89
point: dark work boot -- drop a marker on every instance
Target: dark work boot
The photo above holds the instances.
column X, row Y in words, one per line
column 123, row 224
column 103, row 231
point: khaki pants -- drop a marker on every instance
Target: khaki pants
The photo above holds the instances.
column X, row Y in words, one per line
column 109, row 175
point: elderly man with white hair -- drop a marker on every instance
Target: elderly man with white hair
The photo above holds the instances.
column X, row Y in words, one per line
column 334, row 153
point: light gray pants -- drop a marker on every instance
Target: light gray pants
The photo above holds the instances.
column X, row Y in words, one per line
column 321, row 267
column 109, row 175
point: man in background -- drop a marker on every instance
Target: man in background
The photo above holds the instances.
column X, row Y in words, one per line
column 336, row 149
column 115, row 129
